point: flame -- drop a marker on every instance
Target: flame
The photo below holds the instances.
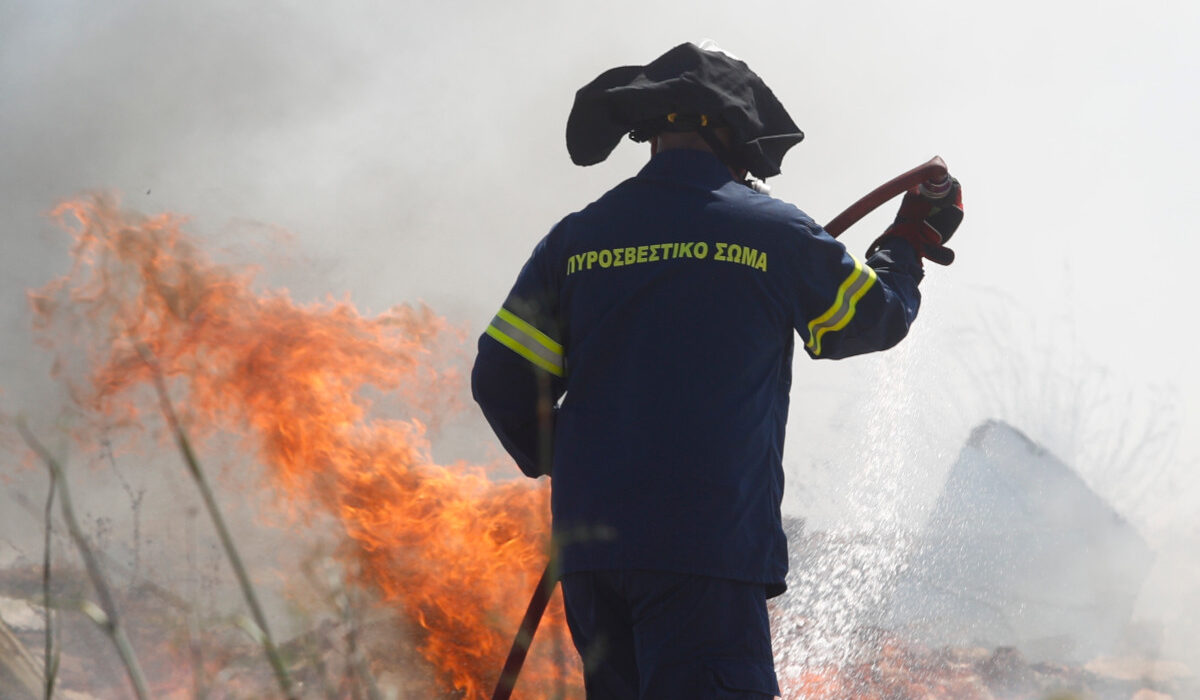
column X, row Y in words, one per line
column 452, row 550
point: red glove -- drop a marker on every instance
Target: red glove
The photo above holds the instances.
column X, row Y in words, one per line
column 927, row 222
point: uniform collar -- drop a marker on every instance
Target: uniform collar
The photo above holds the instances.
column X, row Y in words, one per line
column 689, row 166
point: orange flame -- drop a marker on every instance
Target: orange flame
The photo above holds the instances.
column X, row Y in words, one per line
column 455, row 552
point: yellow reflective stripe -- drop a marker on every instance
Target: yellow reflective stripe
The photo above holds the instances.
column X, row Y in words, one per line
column 527, row 341
column 856, row 284
column 537, row 335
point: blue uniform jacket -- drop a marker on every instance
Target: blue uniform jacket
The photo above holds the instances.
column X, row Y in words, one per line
column 644, row 359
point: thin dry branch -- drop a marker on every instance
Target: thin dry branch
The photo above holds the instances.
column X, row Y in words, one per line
column 210, row 503
column 50, row 663
column 111, row 621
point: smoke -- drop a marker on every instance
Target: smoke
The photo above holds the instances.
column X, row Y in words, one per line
column 415, row 153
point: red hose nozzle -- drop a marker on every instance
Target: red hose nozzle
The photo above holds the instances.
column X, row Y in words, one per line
column 937, row 188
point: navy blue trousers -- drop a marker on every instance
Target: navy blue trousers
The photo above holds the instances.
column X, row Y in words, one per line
column 645, row 635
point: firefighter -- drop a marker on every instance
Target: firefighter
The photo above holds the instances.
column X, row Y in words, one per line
column 643, row 361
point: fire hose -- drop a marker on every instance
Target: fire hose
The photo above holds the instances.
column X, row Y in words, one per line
column 935, row 179
column 932, row 174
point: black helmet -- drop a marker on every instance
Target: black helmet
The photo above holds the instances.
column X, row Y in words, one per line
column 687, row 88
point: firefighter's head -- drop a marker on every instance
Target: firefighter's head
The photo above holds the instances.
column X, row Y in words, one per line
column 689, row 93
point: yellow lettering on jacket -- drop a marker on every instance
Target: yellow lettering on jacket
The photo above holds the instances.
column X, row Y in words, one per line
column 625, row 256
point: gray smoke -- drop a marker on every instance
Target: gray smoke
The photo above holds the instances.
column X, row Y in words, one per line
column 408, row 152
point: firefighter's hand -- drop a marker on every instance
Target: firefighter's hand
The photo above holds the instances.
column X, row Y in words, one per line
column 927, row 223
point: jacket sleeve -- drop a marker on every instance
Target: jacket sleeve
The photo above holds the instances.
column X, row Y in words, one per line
column 846, row 306
column 520, row 370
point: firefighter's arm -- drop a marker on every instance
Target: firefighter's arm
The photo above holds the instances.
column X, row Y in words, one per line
column 520, row 372
column 516, row 398
column 850, row 306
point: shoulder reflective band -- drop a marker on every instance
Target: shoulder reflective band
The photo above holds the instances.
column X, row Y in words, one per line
column 527, row 341
column 853, row 288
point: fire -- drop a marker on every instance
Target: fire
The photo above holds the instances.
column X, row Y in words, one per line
column 454, row 551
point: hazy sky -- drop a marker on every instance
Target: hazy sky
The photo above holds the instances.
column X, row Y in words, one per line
column 415, row 152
